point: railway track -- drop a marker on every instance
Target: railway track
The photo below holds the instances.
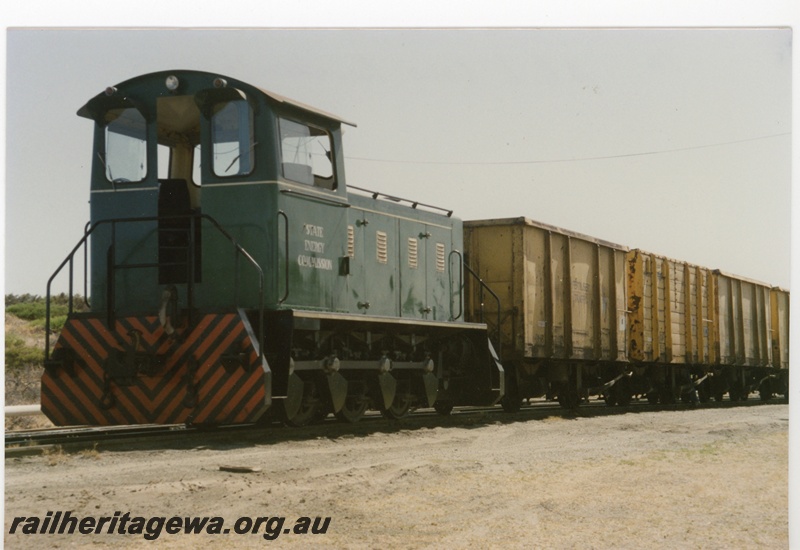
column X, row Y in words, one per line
column 81, row 435
column 27, row 442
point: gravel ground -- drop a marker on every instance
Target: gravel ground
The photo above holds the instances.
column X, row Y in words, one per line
column 708, row 478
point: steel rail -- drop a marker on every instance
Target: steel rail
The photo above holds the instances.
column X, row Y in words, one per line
column 79, row 434
column 32, row 441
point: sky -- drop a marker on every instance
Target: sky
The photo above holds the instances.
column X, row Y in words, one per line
column 676, row 141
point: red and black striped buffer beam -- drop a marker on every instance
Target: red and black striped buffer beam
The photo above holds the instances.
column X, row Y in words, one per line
column 137, row 374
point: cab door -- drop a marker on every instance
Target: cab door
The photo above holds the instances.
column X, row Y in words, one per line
column 441, row 280
column 413, row 270
column 374, row 273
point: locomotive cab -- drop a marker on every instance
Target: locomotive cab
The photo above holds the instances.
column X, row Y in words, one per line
column 181, row 149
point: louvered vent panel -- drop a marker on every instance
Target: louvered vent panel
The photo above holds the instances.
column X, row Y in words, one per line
column 440, row 263
column 351, row 242
column 383, row 247
column 413, row 256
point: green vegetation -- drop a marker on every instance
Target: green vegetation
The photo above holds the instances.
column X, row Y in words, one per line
column 18, row 354
column 31, row 308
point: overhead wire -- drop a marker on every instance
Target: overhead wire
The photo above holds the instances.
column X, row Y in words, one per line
column 577, row 159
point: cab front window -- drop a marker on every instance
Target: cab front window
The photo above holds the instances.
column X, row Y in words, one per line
column 232, row 136
column 126, row 145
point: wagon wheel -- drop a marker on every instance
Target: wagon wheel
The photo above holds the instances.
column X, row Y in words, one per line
column 624, row 396
column 400, row 407
column 310, row 410
column 354, row 408
column 765, row 391
column 511, row 401
column 784, row 387
column 443, row 407
column 703, row 392
column 568, row 396
column 569, row 399
column 619, row 394
column 667, row 395
column 689, row 397
column 744, row 395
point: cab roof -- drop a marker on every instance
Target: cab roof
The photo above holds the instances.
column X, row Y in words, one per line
column 101, row 100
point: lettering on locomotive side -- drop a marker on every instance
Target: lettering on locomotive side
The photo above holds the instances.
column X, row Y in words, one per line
column 314, row 230
column 314, row 262
column 315, row 247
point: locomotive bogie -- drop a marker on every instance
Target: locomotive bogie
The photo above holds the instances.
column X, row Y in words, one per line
column 356, row 363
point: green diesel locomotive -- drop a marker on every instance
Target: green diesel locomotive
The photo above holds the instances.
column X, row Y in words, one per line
column 232, row 274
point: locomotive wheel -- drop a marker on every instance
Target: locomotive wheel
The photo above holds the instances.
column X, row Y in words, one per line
column 443, row 407
column 400, row 408
column 310, row 409
column 354, row 408
column 306, row 415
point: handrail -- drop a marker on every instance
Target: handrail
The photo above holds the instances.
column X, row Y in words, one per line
column 85, row 269
column 414, row 204
column 282, row 214
column 484, row 286
column 89, row 230
column 460, row 285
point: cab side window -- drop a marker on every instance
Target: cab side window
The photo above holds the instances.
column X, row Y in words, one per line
column 306, row 155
